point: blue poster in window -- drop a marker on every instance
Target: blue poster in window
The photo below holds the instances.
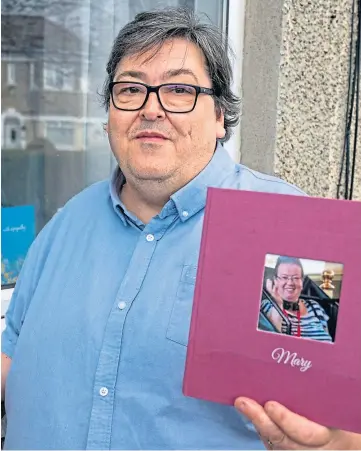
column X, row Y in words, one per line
column 17, row 234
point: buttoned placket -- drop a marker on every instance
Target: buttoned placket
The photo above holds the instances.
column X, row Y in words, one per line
column 99, row 435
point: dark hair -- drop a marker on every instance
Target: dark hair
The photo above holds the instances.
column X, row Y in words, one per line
column 150, row 30
column 288, row 261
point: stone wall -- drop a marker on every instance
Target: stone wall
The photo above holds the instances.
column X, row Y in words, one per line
column 312, row 92
column 294, row 88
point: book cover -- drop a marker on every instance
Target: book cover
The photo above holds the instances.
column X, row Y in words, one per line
column 277, row 305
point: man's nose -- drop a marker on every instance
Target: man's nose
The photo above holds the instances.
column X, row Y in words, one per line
column 152, row 110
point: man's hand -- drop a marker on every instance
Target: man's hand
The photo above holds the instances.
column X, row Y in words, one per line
column 279, row 428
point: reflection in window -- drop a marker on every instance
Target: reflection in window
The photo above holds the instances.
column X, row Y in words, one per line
column 54, row 56
column 12, row 127
column 33, row 84
column 60, row 133
column 11, row 74
column 58, row 78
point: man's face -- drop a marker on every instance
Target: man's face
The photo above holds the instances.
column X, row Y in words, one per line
column 189, row 139
column 289, row 281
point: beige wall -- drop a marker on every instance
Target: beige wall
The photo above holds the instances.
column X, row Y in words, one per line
column 294, row 84
column 312, row 95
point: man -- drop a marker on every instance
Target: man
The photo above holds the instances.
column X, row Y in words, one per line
column 98, row 324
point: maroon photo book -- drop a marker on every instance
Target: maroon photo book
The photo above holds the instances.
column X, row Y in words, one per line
column 277, row 305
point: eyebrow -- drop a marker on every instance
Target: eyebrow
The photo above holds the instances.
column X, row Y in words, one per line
column 175, row 72
column 131, row 73
column 169, row 74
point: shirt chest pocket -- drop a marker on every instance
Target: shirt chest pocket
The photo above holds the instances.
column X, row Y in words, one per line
column 179, row 322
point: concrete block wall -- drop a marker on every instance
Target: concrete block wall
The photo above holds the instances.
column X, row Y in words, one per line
column 294, row 85
column 312, row 92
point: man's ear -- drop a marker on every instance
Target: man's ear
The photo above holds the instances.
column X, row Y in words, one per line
column 220, row 130
column 105, row 127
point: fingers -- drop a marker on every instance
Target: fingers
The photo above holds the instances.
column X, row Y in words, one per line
column 287, row 430
column 276, row 293
column 266, row 428
column 299, row 429
column 273, row 291
column 278, row 297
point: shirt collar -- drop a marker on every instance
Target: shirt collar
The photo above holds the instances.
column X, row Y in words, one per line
column 190, row 199
column 115, row 186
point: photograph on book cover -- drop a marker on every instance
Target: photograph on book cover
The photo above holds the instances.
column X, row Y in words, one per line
column 300, row 297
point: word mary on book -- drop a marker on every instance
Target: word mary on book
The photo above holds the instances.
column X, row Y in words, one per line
column 283, row 356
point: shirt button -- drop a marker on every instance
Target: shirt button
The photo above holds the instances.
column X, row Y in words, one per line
column 185, row 214
column 150, row 237
column 122, row 305
column 103, row 391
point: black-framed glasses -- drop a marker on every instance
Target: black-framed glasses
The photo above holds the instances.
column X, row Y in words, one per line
column 173, row 97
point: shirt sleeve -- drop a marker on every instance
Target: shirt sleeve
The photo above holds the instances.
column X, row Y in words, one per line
column 323, row 314
column 325, row 318
column 320, row 313
column 266, row 306
column 24, row 289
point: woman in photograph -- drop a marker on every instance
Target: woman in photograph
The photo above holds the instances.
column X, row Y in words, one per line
column 307, row 318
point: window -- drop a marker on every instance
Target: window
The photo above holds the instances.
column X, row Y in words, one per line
column 61, row 134
column 11, row 80
column 58, row 78
column 67, row 46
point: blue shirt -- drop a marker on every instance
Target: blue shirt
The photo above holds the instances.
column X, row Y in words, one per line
column 98, row 325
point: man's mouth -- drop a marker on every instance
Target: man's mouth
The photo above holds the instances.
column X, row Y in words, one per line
column 151, row 136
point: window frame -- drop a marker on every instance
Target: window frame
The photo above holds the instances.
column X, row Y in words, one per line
column 234, row 27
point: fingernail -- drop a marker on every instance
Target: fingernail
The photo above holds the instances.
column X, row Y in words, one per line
column 241, row 405
column 271, row 406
